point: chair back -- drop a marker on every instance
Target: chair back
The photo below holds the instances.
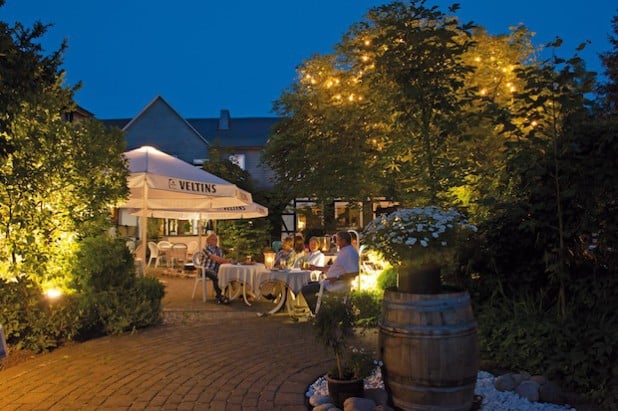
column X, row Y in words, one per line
column 154, row 250
column 164, row 245
column 192, row 247
column 131, row 246
column 179, row 251
column 199, row 259
column 277, row 245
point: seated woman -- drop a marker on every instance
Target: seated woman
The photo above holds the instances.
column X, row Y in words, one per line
column 285, row 256
column 299, row 251
column 315, row 257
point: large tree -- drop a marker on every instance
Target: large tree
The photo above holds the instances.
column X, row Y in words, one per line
column 57, row 178
column 405, row 108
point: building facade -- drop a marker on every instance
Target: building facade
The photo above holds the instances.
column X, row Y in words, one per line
column 161, row 126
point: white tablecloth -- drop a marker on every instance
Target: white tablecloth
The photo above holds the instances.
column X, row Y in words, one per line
column 295, row 280
column 240, row 272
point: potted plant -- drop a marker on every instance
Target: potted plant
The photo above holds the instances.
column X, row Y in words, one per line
column 428, row 341
column 334, row 325
column 417, row 242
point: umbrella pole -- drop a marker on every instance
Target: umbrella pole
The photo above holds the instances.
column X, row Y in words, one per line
column 199, row 232
column 143, row 222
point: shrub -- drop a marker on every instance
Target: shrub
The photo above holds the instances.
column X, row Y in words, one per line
column 387, row 278
column 367, row 306
column 112, row 299
column 579, row 349
column 33, row 322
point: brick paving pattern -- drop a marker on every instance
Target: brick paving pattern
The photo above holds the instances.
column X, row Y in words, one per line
column 204, row 357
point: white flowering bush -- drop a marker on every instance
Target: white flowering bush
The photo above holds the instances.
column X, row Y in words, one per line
column 419, row 232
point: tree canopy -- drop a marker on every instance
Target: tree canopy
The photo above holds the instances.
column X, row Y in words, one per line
column 58, row 179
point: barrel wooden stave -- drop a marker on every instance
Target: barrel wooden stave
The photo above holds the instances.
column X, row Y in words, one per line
column 429, row 348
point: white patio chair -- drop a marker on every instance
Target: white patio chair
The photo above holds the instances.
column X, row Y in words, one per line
column 192, row 247
column 178, row 253
column 164, row 249
column 341, row 289
column 154, row 253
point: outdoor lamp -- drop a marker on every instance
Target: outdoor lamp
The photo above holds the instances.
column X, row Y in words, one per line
column 269, row 259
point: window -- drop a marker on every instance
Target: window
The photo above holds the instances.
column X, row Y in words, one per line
column 348, row 215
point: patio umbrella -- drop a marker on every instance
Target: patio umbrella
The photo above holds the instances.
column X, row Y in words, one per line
column 162, row 182
column 253, row 210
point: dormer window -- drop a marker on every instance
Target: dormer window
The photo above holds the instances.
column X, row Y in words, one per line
column 238, row 159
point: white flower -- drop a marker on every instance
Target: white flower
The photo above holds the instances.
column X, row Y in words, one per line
column 426, row 227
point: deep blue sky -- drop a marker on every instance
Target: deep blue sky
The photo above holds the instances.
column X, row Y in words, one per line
column 203, row 55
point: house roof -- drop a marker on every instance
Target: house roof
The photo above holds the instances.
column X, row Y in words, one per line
column 241, row 132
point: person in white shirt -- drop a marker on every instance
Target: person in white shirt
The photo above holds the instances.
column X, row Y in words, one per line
column 315, row 257
column 346, row 262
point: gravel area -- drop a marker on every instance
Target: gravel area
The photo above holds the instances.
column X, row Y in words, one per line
column 492, row 399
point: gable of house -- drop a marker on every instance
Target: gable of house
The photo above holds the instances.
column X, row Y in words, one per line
column 160, row 126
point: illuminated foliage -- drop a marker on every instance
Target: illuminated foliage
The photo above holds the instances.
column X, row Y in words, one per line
column 405, row 108
column 58, row 178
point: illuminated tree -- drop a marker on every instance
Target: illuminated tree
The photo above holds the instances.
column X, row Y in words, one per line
column 57, row 178
column 319, row 149
column 24, row 73
column 404, row 108
column 480, row 150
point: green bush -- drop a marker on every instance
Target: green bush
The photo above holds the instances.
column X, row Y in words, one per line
column 240, row 238
column 367, row 305
column 387, row 278
column 31, row 321
column 112, row 299
column 107, row 298
column 579, row 349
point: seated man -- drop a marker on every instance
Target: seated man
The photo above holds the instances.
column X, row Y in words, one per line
column 346, row 262
column 214, row 258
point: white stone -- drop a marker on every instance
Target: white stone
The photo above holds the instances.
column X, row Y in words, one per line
column 358, row 404
column 318, row 399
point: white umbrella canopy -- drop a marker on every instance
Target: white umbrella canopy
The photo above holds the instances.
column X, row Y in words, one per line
column 253, row 210
column 162, row 182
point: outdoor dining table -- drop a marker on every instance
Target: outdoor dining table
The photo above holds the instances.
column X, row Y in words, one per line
column 291, row 282
column 245, row 274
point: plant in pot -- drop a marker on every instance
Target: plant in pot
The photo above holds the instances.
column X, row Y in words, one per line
column 417, row 242
column 334, row 326
column 428, row 342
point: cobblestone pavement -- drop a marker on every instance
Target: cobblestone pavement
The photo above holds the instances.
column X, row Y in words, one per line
column 204, row 357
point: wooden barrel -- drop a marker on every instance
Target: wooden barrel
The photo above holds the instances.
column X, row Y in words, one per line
column 429, row 348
